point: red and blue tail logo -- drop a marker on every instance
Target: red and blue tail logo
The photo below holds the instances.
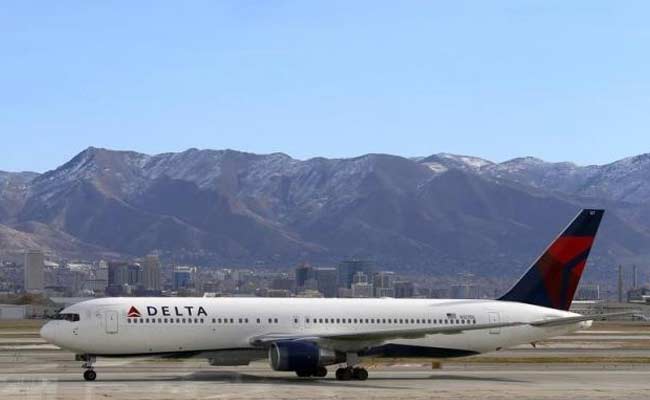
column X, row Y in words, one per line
column 552, row 280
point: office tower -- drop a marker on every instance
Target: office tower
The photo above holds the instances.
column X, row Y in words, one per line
column 404, row 289
column 151, row 273
column 304, row 272
column 326, row 281
column 620, row 283
column 383, row 284
column 347, row 269
column 184, row 277
column 34, row 263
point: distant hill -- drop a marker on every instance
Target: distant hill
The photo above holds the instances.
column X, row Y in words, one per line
column 441, row 214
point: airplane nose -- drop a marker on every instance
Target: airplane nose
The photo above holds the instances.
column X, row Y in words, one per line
column 48, row 332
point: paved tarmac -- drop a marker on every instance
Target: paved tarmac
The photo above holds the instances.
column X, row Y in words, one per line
column 476, row 382
column 570, row 371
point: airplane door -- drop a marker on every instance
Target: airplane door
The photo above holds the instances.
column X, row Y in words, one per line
column 494, row 318
column 111, row 321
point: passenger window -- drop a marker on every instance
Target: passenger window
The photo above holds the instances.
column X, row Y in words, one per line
column 258, row 321
column 128, row 320
column 275, row 320
column 232, row 320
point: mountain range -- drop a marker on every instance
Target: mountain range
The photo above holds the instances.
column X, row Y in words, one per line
column 439, row 215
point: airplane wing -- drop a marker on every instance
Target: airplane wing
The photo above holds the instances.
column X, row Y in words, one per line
column 384, row 334
column 411, row 333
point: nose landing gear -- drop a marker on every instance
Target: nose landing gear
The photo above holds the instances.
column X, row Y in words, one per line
column 89, row 373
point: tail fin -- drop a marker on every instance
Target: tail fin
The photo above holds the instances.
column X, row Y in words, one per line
column 552, row 280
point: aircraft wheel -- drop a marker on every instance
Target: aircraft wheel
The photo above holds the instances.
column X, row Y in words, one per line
column 344, row 374
column 321, row 372
column 90, row 375
column 360, row 374
column 303, row 373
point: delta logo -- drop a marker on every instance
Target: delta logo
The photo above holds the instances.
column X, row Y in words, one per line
column 169, row 311
column 133, row 313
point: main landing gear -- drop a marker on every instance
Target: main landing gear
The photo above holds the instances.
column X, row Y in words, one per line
column 89, row 373
column 349, row 373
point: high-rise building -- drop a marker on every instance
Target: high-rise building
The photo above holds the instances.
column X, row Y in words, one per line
column 34, row 263
column 620, row 284
column 100, row 281
column 359, row 277
column 304, row 272
column 404, row 289
column 118, row 278
column 134, row 275
column 326, row 281
column 184, row 277
column 151, row 273
column 118, row 273
column 346, row 270
column 362, row 289
column 383, row 284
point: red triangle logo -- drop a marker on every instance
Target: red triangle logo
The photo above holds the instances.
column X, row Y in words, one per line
column 133, row 313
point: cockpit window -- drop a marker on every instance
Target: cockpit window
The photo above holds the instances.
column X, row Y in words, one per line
column 68, row 317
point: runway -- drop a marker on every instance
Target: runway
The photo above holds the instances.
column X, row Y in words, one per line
column 44, row 372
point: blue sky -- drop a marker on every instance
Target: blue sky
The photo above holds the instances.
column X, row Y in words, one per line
column 560, row 80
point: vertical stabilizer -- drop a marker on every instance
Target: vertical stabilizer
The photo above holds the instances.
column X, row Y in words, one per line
column 552, row 280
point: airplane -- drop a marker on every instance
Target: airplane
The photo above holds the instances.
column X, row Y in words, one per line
column 305, row 335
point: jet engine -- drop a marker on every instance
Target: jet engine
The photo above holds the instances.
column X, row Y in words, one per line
column 301, row 356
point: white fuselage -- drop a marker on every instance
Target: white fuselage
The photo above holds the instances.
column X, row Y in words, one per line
column 186, row 325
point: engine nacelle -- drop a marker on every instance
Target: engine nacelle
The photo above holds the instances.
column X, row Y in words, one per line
column 301, row 356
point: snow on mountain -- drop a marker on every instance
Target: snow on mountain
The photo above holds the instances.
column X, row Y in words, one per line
column 455, row 161
column 230, row 206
